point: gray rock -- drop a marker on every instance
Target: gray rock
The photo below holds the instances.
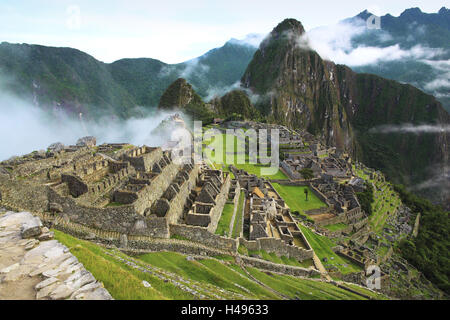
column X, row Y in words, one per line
column 123, row 241
column 146, row 284
column 56, row 147
column 46, row 283
column 98, row 294
column 46, row 236
column 31, row 228
column 88, row 141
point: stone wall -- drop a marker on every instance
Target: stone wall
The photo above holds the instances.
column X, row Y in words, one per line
column 280, row 268
column 123, row 219
column 279, row 247
column 178, row 201
column 291, row 174
column 143, row 158
column 23, row 195
column 221, row 199
column 156, row 189
column 202, row 235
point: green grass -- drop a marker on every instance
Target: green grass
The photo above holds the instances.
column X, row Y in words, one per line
column 322, row 247
column 223, row 227
column 249, row 167
column 336, row 227
column 367, row 292
column 272, row 257
column 239, row 217
column 303, row 288
column 207, row 271
column 294, row 197
column 122, row 281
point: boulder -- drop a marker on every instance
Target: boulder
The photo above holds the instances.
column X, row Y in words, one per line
column 31, row 228
column 56, row 147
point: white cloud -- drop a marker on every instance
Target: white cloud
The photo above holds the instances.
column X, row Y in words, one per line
column 410, row 128
column 335, row 43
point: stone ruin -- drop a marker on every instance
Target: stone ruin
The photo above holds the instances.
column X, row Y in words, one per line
column 117, row 187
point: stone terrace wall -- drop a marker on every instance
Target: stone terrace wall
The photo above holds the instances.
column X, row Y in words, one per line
column 221, row 199
column 156, row 188
column 143, row 158
column 280, row 268
column 23, row 195
column 202, row 235
column 279, row 247
column 177, row 203
column 123, row 219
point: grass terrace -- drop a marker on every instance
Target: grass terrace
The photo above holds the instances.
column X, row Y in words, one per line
column 336, row 227
column 223, row 227
column 249, row 167
column 294, row 196
column 238, row 220
column 302, row 289
column 322, row 247
column 272, row 257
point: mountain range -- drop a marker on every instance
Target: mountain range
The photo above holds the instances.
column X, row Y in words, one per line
column 284, row 81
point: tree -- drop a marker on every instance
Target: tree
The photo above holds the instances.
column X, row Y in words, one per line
column 307, row 173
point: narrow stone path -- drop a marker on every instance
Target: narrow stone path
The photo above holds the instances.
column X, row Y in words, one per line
column 320, row 267
column 33, row 267
column 232, row 221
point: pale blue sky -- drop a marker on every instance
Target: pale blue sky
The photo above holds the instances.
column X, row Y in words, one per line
column 170, row 30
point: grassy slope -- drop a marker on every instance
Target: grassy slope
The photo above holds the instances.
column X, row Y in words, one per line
column 125, row 282
column 306, row 289
column 122, row 281
column 322, row 247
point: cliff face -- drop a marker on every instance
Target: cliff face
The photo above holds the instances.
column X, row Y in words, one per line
column 299, row 89
column 296, row 87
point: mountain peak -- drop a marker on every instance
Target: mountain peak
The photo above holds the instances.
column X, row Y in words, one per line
column 289, row 25
column 364, row 14
column 412, row 12
column 179, row 94
column 444, row 10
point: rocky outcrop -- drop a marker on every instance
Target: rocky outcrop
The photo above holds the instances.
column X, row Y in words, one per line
column 40, row 268
column 237, row 102
column 179, row 95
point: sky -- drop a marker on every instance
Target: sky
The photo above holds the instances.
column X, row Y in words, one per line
column 172, row 30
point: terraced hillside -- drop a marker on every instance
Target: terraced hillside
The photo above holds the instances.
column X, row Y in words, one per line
column 170, row 275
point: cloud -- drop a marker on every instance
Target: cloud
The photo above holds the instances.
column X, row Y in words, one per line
column 440, row 86
column 252, row 40
column 410, row 128
column 335, row 43
column 25, row 128
column 193, row 68
column 215, row 92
